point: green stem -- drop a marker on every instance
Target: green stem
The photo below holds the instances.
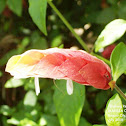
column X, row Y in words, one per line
column 82, row 42
column 68, row 25
column 74, row 33
column 120, row 92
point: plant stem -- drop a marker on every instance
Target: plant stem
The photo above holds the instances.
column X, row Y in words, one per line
column 82, row 42
column 120, row 92
column 74, row 33
column 68, row 25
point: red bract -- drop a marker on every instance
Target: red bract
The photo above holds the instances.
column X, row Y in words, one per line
column 108, row 50
column 67, row 64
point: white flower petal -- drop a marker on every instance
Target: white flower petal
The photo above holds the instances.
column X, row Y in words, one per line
column 37, row 89
column 69, row 86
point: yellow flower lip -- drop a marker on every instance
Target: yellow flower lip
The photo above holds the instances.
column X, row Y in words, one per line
column 21, row 66
column 12, row 62
column 29, row 59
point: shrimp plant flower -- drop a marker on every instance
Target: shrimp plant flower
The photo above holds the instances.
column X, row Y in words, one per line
column 55, row 63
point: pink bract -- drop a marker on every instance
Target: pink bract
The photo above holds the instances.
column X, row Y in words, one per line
column 67, row 64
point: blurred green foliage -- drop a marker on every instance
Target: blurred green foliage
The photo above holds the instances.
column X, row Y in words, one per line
column 19, row 23
column 118, row 61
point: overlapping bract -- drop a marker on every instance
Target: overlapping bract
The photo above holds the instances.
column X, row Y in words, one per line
column 55, row 63
column 107, row 51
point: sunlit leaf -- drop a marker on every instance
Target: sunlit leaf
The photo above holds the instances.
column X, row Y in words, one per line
column 114, row 111
column 118, row 60
column 27, row 122
column 30, row 99
column 15, row 6
column 16, row 118
column 13, row 121
column 14, row 83
column 112, row 32
column 48, row 120
column 37, row 10
column 69, row 107
column 6, row 110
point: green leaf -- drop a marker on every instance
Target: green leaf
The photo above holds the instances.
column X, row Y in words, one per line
column 27, row 122
column 26, row 111
column 13, row 121
column 29, row 84
column 30, row 99
column 113, row 2
column 47, row 97
column 84, row 122
column 122, row 10
column 99, row 125
column 14, row 83
column 118, row 60
column 4, row 121
column 37, row 10
column 69, row 107
column 16, row 117
column 25, row 42
column 114, row 111
column 6, row 110
column 2, row 5
column 15, row 6
column 37, row 41
column 33, row 112
column 106, row 15
column 99, row 99
column 125, row 72
column 56, row 41
column 48, row 120
column 40, row 43
column 112, row 32
column 124, row 123
column 1, row 73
